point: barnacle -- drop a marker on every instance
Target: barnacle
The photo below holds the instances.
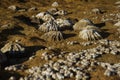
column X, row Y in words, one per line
column 45, row 16
column 13, row 48
column 53, row 36
column 90, row 33
column 81, row 24
column 50, row 25
column 64, row 24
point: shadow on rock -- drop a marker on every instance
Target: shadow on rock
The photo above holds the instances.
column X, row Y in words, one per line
column 22, row 57
column 69, row 35
column 105, row 34
column 13, row 31
column 100, row 25
column 35, row 39
column 5, row 75
column 30, row 50
column 25, row 20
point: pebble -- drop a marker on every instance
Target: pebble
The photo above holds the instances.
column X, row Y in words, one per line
column 76, row 64
column 15, row 67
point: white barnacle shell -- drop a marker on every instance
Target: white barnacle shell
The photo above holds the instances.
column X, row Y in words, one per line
column 50, row 25
column 96, row 11
column 117, row 3
column 81, row 24
column 55, row 4
column 63, row 23
column 117, row 24
column 52, row 36
column 13, row 47
column 90, row 33
column 13, row 8
column 45, row 16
